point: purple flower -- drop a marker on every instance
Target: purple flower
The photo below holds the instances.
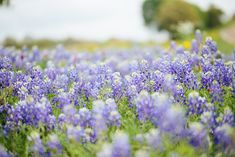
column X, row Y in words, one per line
column 190, row 81
column 144, row 106
column 228, row 117
column 198, row 36
column 224, row 138
column 161, row 103
column 75, row 133
column 211, row 45
column 173, row 121
column 205, row 51
column 85, row 117
column 195, row 46
column 5, row 63
column 198, row 136
column 216, row 92
column 120, row 145
column 117, row 84
column 31, row 113
column 196, row 103
column 3, row 152
column 108, row 110
column 37, row 147
column 207, row 79
column 5, row 78
column 208, row 118
column 54, row 143
column 154, row 139
column 158, row 79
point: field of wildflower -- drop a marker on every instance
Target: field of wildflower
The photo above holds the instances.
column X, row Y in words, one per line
column 143, row 102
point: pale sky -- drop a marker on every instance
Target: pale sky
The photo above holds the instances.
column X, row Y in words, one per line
column 84, row 19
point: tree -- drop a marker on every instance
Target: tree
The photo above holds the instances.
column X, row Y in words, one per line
column 4, row 2
column 168, row 14
column 213, row 17
column 149, row 8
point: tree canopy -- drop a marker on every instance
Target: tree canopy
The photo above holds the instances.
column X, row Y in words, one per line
column 172, row 15
column 4, row 2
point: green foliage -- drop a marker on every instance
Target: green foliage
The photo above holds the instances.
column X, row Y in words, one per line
column 167, row 15
column 149, row 9
column 4, row 2
column 6, row 96
column 171, row 14
column 213, row 17
column 229, row 99
column 16, row 142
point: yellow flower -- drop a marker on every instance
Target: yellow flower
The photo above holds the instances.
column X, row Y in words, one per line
column 186, row 44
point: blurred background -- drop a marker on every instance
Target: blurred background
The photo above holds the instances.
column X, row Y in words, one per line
column 91, row 25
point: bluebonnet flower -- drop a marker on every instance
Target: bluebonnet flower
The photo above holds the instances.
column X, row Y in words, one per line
column 174, row 115
column 133, row 66
column 3, row 152
column 207, row 79
column 163, row 64
column 51, row 71
column 108, row 110
column 144, row 106
column 180, row 50
column 223, row 138
column 69, row 116
column 169, row 82
column 161, row 103
column 206, row 65
column 178, row 94
column 61, row 82
column 31, row 113
column 5, row 78
column 75, row 133
column 198, row 136
column 117, row 84
column 228, row 117
column 223, row 74
column 211, row 45
column 62, row 99
column 216, row 92
column 198, row 36
column 180, row 67
column 195, row 46
column 208, row 118
column 120, row 145
column 111, row 113
column 35, row 56
column 206, row 52
column 73, row 74
column 190, row 81
column 173, row 45
column 196, row 103
column 54, row 144
column 154, row 139
column 99, row 117
column 35, row 72
column 158, row 79
column 131, row 92
column 5, row 63
column 85, row 117
column 37, row 147
column 233, row 78
column 137, row 80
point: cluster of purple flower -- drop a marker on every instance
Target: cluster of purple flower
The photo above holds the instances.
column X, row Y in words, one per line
column 81, row 95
